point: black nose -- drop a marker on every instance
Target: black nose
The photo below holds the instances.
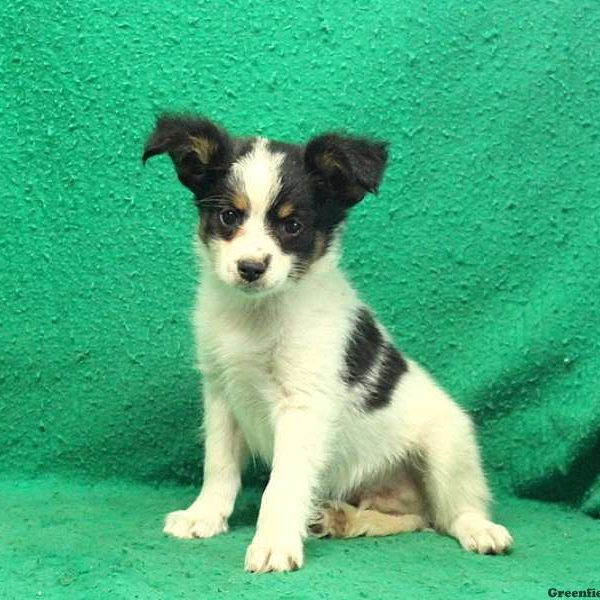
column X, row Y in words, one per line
column 251, row 270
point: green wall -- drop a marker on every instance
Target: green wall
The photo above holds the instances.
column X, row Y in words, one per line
column 480, row 253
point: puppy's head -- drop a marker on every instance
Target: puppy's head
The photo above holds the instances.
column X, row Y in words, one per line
column 268, row 210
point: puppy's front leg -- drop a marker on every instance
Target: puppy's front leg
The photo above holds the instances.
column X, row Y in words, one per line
column 300, row 434
column 225, row 452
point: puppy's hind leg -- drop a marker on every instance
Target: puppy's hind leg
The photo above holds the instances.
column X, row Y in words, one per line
column 455, row 484
column 342, row 520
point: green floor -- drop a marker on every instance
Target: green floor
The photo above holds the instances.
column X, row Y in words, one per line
column 60, row 539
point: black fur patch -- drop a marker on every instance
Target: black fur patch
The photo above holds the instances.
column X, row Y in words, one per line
column 368, row 351
column 298, row 192
column 347, row 167
column 200, row 150
column 363, row 347
column 295, row 191
column 218, row 197
column 391, row 368
column 211, row 226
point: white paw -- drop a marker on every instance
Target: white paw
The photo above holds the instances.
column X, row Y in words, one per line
column 477, row 534
column 189, row 524
column 274, row 554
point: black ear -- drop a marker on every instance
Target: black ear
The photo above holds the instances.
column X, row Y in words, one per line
column 350, row 167
column 199, row 149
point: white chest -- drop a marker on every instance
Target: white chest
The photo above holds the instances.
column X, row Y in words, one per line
column 244, row 358
column 287, row 350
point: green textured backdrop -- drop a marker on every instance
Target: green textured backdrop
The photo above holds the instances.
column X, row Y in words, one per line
column 481, row 252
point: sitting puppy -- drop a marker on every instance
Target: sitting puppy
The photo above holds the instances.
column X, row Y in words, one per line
column 298, row 371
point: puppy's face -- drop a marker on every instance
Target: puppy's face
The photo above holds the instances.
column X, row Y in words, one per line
column 257, row 221
column 268, row 210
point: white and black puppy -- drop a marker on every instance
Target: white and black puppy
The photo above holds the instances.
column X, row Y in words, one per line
column 297, row 370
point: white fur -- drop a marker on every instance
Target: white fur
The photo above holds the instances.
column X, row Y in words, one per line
column 272, row 388
column 257, row 175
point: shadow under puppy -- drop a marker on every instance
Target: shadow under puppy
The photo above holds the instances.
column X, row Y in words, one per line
column 297, row 370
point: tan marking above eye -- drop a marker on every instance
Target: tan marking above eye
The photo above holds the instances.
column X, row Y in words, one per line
column 240, row 202
column 285, row 210
column 204, row 148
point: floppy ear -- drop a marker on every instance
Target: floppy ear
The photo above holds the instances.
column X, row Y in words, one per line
column 199, row 149
column 350, row 167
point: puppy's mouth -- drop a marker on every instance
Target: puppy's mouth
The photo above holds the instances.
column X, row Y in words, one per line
column 257, row 288
column 250, row 287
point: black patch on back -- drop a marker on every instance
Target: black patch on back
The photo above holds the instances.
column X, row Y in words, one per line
column 363, row 347
column 372, row 361
column 391, row 368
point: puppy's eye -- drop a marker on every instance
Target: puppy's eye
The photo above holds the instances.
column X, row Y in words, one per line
column 292, row 227
column 229, row 217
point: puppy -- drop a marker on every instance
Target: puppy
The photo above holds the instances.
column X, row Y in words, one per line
column 298, row 371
